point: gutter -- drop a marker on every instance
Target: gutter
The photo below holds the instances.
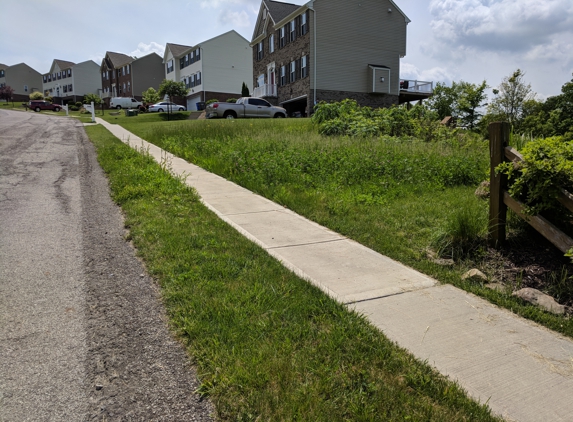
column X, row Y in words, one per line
column 310, row 6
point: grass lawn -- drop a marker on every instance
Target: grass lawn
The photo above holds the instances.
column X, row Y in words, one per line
column 396, row 196
column 268, row 345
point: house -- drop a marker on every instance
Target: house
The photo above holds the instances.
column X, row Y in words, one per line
column 329, row 50
column 22, row 79
column 212, row 69
column 126, row 76
column 69, row 82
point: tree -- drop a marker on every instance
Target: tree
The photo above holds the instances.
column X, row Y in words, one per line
column 6, row 93
column 245, row 90
column 462, row 100
column 443, row 100
column 510, row 98
column 150, row 96
column 172, row 89
column 89, row 98
column 471, row 98
column 37, row 95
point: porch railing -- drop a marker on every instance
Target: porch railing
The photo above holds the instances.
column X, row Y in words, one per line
column 416, row 86
column 265, row 91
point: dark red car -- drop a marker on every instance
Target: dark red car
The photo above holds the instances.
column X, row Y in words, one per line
column 38, row 105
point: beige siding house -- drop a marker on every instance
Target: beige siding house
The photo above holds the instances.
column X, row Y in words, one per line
column 212, row 69
column 69, row 82
column 329, row 50
column 22, row 79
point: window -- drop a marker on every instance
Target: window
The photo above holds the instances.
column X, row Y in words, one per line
column 25, row 88
column 50, row 78
column 1, row 73
column 303, row 67
column 292, row 30
column 282, row 37
column 198, row 78
column 303, row 24
column 272, row 43
column 129, row 87
column 128, row 68
column 261, row 80
column 292, row 76
column 65, row 88
column 181, row 63
column 186, row 60
column 197, row 54
column 70, row 88
column 260, row 50
column 64, row 73
column 69, row 72
column 59, row 75
column 170, row 66
column 192, row 57
column 283, row 75
column 45, row 78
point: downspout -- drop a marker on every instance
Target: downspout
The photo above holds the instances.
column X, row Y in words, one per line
column 202, row 76
column 310, row 7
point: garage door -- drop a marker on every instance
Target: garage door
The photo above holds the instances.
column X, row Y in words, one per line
column 192, row 102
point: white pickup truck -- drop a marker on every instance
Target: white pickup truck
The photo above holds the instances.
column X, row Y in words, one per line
column 244, row 107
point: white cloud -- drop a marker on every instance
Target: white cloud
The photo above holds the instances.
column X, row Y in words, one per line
column 145, row 49
column 237, row 19
column 500, row 25
column 435, row 74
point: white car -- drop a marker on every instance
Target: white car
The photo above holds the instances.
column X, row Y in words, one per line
column 166, row 106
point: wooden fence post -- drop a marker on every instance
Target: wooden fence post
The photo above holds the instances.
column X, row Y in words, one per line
column 498, row 140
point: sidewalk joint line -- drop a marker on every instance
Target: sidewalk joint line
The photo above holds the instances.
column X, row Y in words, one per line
column 307, row 244
column 388, row 295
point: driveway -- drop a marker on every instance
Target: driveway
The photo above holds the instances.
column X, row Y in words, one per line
column 83, row 334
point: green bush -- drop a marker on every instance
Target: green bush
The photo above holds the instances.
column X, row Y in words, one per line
column 211, row 101
column 537, row 181
column 231, row 100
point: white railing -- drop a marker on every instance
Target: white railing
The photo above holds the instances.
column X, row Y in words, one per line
column 265, row 91
column 416, row 86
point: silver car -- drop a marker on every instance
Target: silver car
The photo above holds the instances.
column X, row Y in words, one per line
column 166, row 106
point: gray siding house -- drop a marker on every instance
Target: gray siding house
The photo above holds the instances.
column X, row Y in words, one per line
column 329, row 50
column 70, row 82
column 22, row 79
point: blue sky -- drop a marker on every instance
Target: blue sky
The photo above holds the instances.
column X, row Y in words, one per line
column 448, row 40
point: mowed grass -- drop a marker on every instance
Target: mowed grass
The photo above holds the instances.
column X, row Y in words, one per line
column 396, row 196
column 268, row 345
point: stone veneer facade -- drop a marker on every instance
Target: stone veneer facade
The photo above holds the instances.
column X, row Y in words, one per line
column 292, row 51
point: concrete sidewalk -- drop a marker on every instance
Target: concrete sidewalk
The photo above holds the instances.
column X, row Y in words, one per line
column 523, row 371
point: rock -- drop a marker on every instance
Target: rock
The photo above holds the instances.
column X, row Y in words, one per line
column 540, row 299
column 474, row 275
column 483, row 190
column 444, row 262
column 99, row 386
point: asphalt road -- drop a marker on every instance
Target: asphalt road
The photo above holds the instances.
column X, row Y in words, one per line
column 83, row 334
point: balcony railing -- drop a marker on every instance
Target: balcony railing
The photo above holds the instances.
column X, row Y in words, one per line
column 265, row 91
column 410, row 85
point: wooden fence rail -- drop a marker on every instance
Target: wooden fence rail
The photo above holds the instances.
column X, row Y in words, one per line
column 500, row 199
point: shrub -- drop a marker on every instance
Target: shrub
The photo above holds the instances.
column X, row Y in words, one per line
column 36, row 96
column 211, row 101
column 231, row 100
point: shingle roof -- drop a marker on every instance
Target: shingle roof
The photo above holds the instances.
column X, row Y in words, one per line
column 62, row 64
column 279, row 10
column 118, row 59
column 3, row 66
column 178, row 49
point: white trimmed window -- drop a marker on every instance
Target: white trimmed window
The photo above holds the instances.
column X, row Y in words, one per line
column 283, row 75
column 292, row 30
column 303, row 24
column 292, row 73
column 303, row 67
column 260, row 50
column 272, row 43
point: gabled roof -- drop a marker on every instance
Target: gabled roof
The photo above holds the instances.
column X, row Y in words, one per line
column 178, row 49
column 62, row 64
column 279, row 10
column 3, row 66
column 118, row 59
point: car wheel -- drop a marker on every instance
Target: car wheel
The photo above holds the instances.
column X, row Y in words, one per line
column 37, row 109
column 160, row 110
column 279, row 116
column 229, row 115
column 181, row 109
column 118, row 107
column 56, row 109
